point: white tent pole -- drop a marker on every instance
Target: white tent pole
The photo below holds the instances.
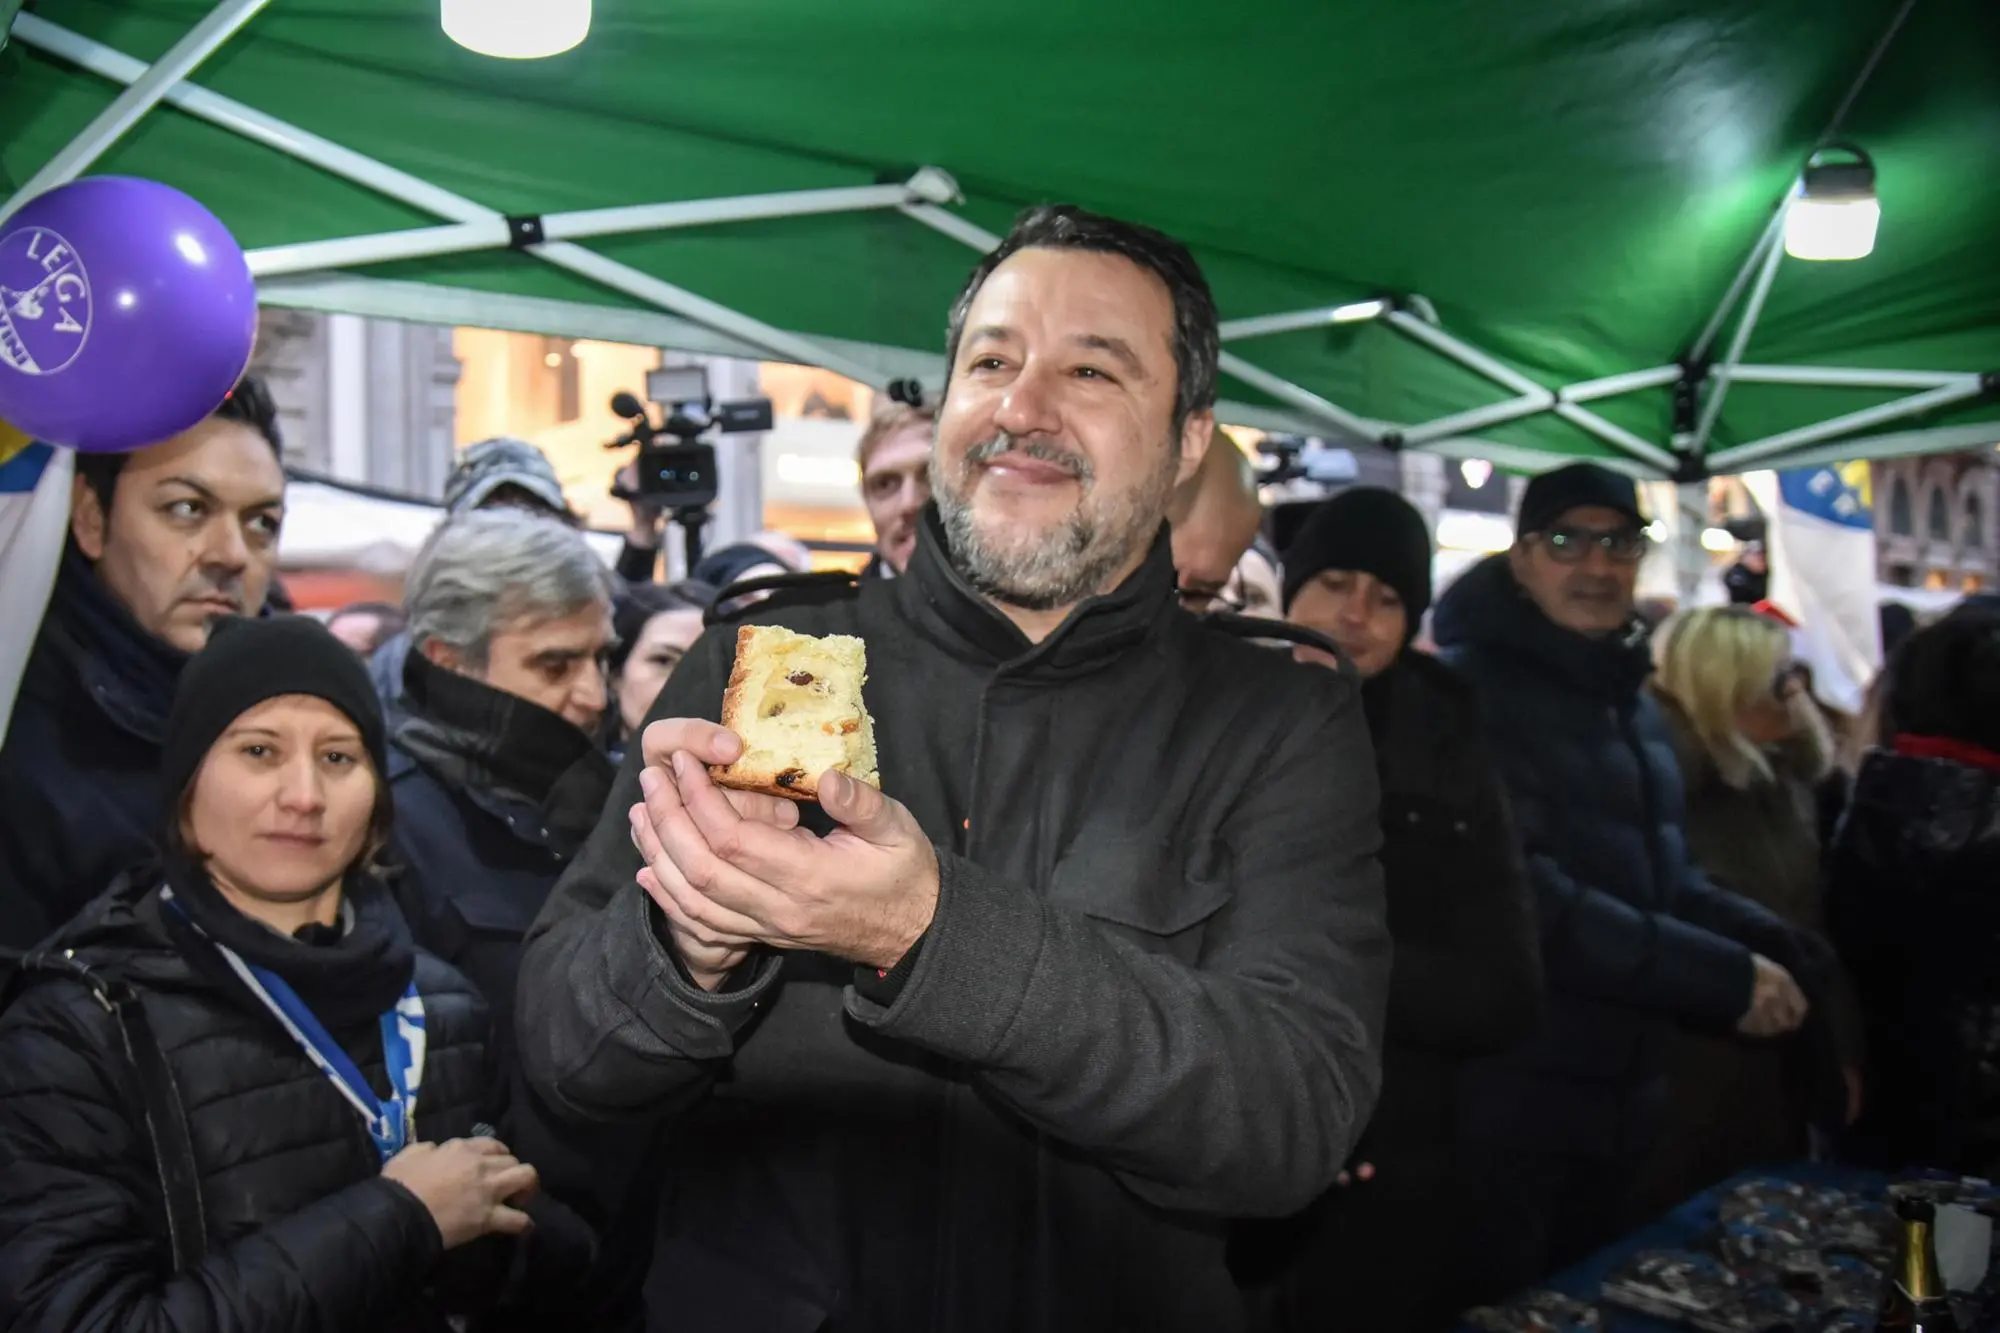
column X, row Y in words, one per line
column 140, row 96
column 1734, row 460
column 1896, row 444
column 1719, row 377
column 1528, row 404
column 969, row 233
column 1285, row 391
column 1257, row 326
column 1474, row 359
column 1844, row 378
column 1774, row 229
column 951, row 224
column 379, row 176
column 494, row 234
column 1478, row 418
column 1611, row 386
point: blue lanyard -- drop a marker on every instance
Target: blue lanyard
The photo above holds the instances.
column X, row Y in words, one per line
column 389, row 1121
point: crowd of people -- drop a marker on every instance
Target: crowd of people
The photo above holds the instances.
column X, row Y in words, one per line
column 1238, row 938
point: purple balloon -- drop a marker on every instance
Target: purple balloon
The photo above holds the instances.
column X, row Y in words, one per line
column 127, row 314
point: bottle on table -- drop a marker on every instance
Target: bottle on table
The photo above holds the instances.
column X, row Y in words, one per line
column 1915, row 1299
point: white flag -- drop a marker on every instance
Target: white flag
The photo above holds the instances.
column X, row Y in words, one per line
column 34, row 516
column 1820, row 536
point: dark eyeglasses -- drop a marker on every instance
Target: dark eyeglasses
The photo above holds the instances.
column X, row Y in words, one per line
column 1571, row 546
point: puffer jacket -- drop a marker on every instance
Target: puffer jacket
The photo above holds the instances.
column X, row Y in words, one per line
column 1634, row 936
column 301, row 1229
column 1913, row 898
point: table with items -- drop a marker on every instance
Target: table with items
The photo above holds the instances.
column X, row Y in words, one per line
column 1799, row 1250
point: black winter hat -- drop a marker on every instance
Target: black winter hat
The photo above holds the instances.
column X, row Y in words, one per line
column 1578, row 486
column 249, row 661
column 724, row 566
column 1373, row 531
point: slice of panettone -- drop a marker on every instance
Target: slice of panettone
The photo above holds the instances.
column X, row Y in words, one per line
column 795, row 700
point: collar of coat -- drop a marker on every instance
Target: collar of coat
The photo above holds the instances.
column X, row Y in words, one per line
column 469, row 735
column 936, row 596
column 129, row 674
column 1487, row 607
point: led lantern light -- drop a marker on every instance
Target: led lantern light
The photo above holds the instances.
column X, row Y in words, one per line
column 1834, row 214
column 516, row 29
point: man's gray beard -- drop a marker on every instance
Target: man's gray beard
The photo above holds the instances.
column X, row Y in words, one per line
column 1077, row 559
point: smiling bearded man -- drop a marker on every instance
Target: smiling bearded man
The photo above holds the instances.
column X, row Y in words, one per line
column 1003, row 1044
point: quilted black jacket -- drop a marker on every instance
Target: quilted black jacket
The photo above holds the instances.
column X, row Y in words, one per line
column 1634, row 935
column 302, row 1230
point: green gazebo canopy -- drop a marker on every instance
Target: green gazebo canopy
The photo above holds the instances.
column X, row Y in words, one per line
column 1565, row 211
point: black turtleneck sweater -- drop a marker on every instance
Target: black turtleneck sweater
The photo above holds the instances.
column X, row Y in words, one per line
column 1150, row 998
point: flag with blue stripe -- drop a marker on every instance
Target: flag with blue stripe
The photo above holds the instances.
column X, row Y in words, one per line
column 34, row 515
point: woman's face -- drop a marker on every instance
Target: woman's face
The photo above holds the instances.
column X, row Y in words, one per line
column 1357, row 611
column 280, row 807
column 657, row 651
column 1770, row 717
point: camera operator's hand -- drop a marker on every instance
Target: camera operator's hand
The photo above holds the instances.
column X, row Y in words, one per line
column 648, row 516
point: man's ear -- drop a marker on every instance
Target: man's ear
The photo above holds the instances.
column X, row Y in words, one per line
column 87, row 520
column 441, row 654
column 1196, row 434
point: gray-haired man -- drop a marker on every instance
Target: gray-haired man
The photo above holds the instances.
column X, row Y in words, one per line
column 495, row 766
column 498, row 776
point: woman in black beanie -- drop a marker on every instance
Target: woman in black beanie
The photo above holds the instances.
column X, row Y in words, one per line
column 232, row 1094
column 1467, row 978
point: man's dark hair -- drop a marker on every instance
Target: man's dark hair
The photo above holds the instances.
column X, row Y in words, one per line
column 249, row 402
column 1946, row 681
column 1197, row 342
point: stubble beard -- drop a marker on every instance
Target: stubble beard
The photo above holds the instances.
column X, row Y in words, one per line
column 1065, row 562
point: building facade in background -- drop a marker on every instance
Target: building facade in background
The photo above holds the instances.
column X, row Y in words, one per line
column 1934, row 521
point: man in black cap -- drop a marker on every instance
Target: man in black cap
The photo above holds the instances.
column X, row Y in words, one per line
column 1635, row 938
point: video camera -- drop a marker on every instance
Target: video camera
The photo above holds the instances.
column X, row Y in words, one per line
column 676, row 467
column 1286, row 459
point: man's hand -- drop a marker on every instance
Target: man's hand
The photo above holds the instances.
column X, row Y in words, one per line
column 731, row 871
column 648, row 515
column 709, row 955
column 1777, row 1005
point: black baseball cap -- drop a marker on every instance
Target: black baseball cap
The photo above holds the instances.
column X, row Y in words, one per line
column 1577, row 486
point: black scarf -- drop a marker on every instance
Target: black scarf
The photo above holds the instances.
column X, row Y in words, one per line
column 347, row 979
column 467, row 734
column 102, row 640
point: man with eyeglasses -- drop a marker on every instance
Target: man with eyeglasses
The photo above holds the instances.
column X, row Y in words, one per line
column 1635, row 938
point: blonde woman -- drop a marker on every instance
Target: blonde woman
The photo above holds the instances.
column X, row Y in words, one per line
column 1753, row 750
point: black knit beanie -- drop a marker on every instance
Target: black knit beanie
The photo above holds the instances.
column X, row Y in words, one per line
column 1373, row 531
column 249, row 661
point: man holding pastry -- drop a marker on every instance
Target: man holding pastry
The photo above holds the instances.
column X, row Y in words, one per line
column 1003, row 1035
